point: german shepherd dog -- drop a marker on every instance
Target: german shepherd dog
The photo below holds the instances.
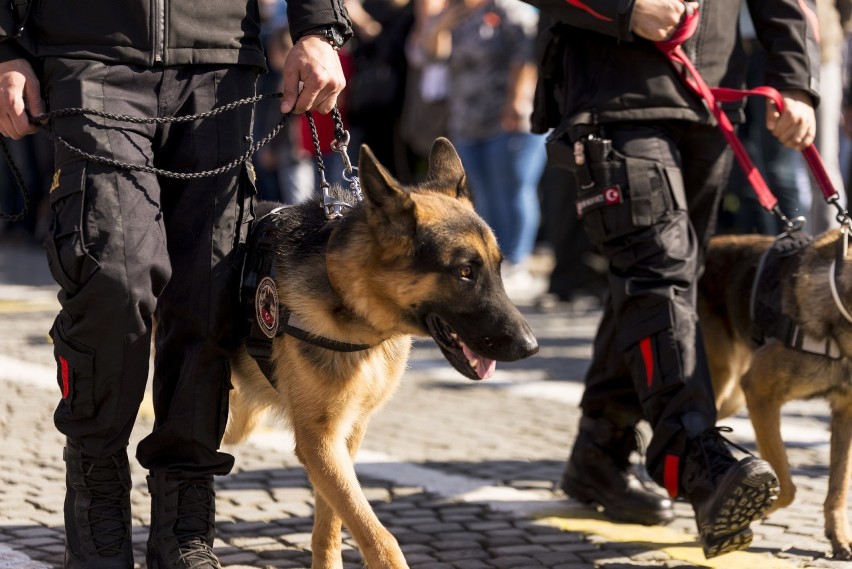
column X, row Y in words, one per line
column 767, row 376
column 406, row 261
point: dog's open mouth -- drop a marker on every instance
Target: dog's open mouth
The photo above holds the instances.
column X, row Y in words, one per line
column 465, row 360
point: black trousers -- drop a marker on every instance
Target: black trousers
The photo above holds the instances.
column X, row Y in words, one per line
column 128, row 248
column 651, row 210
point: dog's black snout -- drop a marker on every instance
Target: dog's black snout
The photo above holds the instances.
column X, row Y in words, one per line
column 527, row 345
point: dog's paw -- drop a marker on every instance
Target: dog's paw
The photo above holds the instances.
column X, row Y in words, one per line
column 842, row 552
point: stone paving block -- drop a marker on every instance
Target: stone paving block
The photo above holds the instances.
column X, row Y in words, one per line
column 513, row 562
column 414, row 537
column 525, row 549
column 454, row 555
column 488, row 525
column 419, row 558
column 551, row 558
column 472, row 564
column 448, row 545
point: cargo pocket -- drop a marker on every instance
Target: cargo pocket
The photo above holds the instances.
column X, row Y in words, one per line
column 656, row 357
column 75, row 375
column 629, row 194
column 70, row 230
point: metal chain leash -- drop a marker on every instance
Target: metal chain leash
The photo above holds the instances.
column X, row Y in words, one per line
column 44, row 120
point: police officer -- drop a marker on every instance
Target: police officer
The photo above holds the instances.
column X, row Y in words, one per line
column 651, row 164
column 129, row 247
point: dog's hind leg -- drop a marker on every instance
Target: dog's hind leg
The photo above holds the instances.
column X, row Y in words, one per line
column 326, row 456
column 840, row 472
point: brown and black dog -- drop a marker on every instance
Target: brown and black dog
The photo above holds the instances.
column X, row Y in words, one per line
column 406, row 261
column 767, row 376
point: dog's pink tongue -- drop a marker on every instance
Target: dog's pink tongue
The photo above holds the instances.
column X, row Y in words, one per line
column 484, row 367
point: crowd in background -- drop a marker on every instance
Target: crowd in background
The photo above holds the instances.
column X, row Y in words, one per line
column 465, row 69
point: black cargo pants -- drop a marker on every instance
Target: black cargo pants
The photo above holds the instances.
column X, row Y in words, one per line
column 130, row 247
column 651, row 208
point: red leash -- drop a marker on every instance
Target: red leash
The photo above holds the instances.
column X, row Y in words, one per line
column 713, row 97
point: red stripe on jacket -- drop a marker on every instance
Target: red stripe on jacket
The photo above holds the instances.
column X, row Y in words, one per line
column 586, row 8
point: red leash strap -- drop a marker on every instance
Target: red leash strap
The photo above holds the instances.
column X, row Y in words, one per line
column 672, row 49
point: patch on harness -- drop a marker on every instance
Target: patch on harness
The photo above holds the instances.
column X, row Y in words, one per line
column 266, row 307
column 608, row 196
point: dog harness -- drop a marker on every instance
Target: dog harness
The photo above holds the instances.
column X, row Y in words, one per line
column 266, row 317
column 766, row 308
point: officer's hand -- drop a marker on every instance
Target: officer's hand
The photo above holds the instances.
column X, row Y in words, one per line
column 19, row 94
column 312, row 77
column 657, row 20
column 796, row 126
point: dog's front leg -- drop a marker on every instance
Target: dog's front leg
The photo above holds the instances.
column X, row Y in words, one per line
column 330, row 468
column 325, row 539
column 840, row 472
column 764, row 410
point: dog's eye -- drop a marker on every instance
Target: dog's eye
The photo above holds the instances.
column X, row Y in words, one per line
column 466, row 272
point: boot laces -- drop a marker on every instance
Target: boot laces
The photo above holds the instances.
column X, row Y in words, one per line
column 106, row 514
column 715, row 453
column 193, row 521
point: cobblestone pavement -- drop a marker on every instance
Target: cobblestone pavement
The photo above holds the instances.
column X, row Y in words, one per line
column 461, row 473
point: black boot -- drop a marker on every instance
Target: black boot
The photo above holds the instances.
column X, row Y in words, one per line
column 97, row 510
column 599, row 472
column 727, row 494
column 183, row 512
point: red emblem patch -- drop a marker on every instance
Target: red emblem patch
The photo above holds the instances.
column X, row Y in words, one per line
column 266, row 307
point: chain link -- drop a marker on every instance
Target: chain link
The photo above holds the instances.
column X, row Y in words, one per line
column 45, row 119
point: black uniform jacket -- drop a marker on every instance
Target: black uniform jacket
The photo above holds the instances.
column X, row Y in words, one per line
column 153, row 32
column 595, row 70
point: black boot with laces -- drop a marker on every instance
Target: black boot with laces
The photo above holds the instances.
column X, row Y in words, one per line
column 183, row 512
column 599, row 472
column 97, row 510
column 726, row 494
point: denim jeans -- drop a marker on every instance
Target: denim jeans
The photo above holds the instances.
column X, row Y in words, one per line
column 504, row 172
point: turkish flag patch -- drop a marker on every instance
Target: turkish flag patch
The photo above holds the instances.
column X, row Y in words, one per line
column 608, row 196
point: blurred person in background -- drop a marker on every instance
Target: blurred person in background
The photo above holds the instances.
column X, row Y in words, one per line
column 489, row 47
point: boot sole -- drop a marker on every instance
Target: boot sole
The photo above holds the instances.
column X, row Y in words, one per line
column 582, row 494
column 744, row 496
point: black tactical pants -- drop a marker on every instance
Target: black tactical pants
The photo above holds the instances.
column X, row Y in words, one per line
column 128, row 248
column 651, row 209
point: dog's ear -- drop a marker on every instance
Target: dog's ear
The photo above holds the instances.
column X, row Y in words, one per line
column 445, row 168
column 392, row 214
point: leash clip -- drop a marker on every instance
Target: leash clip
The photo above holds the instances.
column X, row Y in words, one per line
column 350, row 172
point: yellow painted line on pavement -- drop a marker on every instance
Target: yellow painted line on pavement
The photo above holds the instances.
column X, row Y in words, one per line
column 676, row 544
column 9, row 306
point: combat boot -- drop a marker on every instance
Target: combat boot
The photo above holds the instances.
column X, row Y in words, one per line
column 183, row 526
column 599, row 472
column 97, row 510
column 726, row 494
